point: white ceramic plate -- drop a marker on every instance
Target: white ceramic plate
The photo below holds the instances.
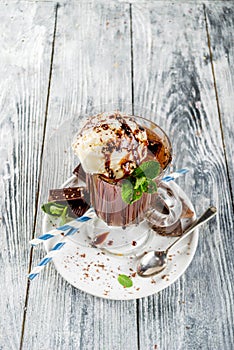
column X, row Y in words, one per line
column 96, row 272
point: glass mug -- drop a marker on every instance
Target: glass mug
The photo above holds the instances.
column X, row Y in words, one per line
column 129, row 225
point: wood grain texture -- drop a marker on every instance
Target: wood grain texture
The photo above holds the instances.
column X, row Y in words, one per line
column 173, row 76
column 91, row 66
column 221, row 26
column 25, row 40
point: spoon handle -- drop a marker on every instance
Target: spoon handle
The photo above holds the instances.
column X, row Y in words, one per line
column 207, row 215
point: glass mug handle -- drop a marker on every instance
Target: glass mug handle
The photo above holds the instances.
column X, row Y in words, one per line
column 165, row 210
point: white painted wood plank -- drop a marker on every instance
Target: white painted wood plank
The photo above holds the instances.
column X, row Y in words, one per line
column 25, row 41
column 172, row 75
column 221, row 27
column 91, row 66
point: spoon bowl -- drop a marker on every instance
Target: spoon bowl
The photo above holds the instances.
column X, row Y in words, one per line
column 152, row 263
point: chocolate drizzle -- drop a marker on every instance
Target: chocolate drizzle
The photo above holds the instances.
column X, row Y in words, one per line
column 108, row 169
column 125, row 127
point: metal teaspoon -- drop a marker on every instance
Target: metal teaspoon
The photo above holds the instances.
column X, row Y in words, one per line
column 154, row 262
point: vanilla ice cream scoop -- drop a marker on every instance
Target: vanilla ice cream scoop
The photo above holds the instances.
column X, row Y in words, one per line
column 111, row 144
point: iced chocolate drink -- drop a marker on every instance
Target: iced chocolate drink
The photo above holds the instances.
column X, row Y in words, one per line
column 111, row 149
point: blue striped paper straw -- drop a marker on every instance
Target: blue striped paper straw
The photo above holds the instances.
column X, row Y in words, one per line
column 175, row 175
column 68, row 229
column 54, row 251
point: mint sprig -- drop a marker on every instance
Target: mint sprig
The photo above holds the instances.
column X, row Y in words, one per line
column 140, row 181
column 56, row 210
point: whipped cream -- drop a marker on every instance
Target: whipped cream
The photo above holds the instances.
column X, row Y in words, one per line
column 111, row 145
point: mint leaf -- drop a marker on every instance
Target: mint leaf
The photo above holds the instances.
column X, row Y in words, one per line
column 57, row 210
column 149, row 169
column 151, row 187
column 53, row 209
column 127, row 191
column 125, row 281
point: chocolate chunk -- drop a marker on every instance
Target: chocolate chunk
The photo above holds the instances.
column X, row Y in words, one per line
column 69, row 193
column 80, row 173
column 78, row 207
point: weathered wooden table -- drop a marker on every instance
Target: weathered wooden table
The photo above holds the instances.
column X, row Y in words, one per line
column 176, row 58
